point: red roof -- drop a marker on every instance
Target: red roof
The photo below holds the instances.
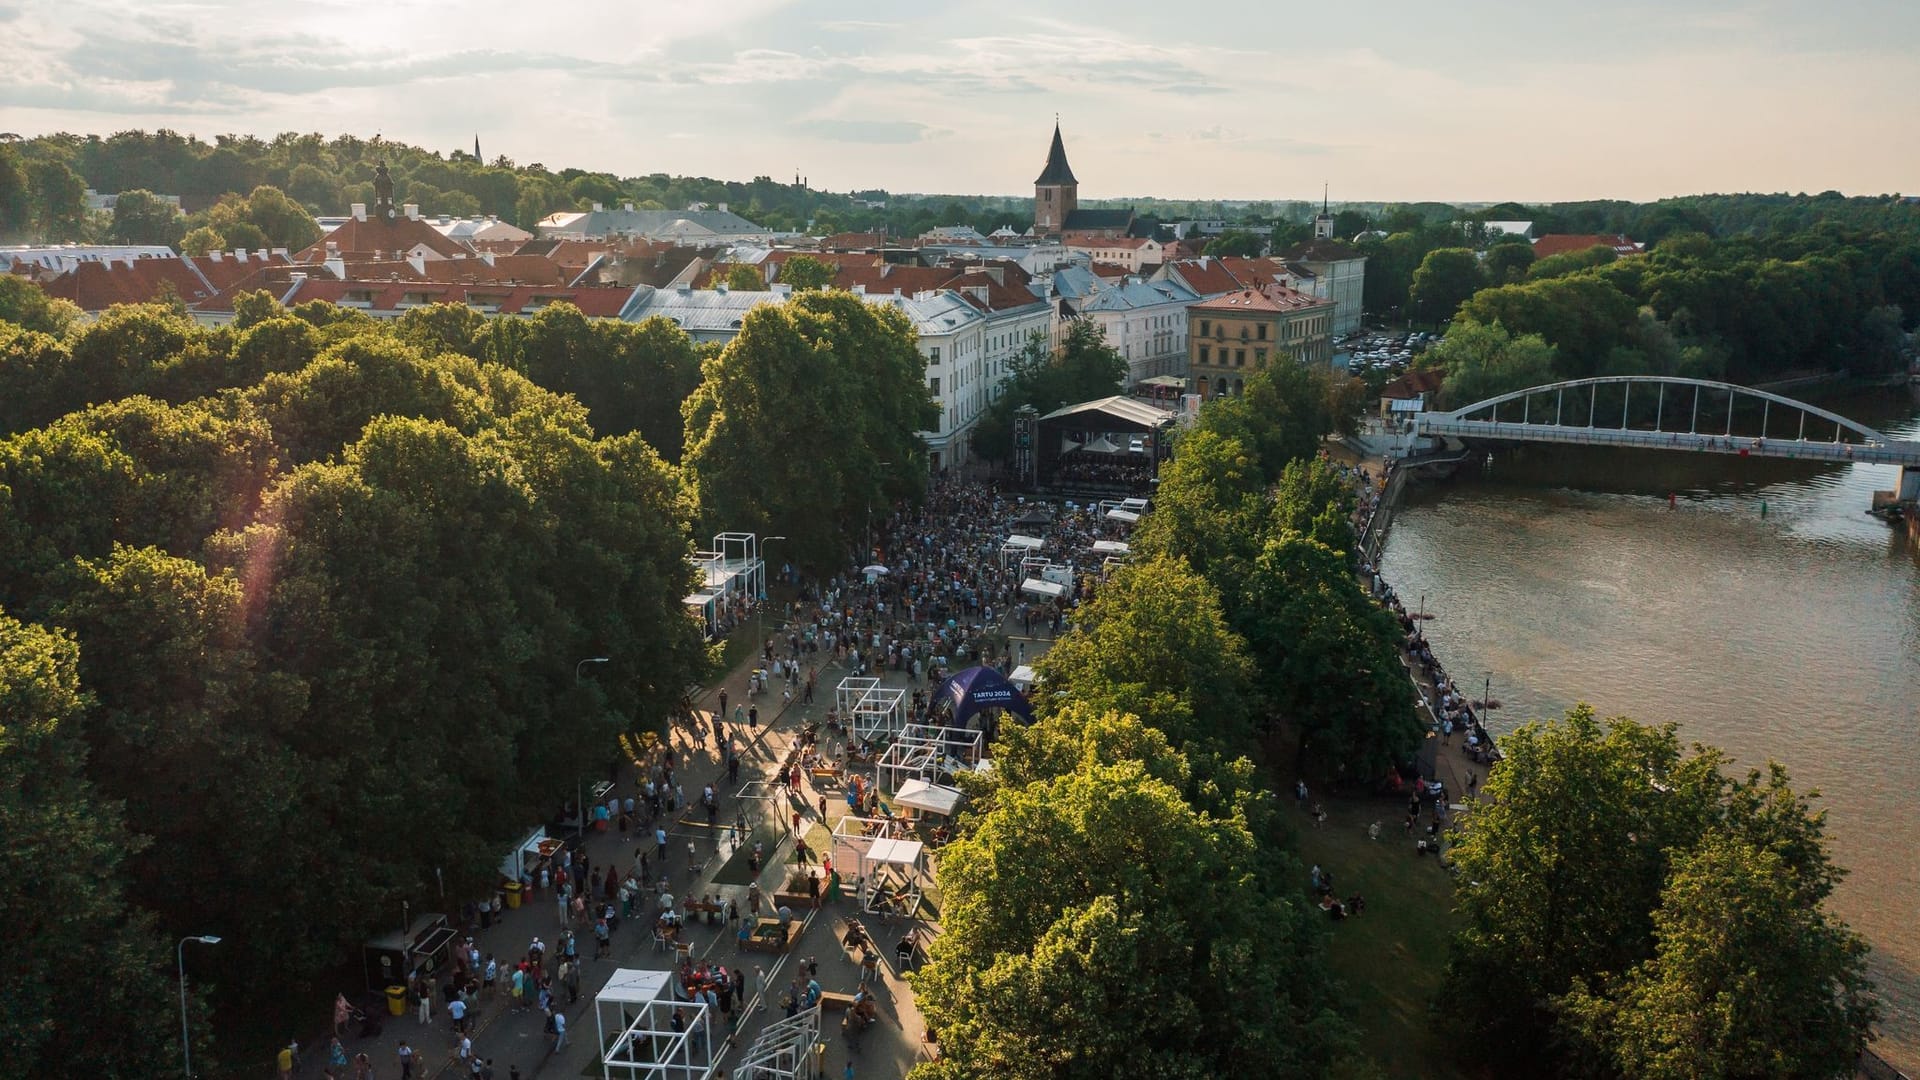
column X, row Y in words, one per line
column 1562, row 243
column 383, row 237
column 96, row 286
column 886, row 278
column 1413, row 384
column 392, row 297
column 853, row 241
column 1272, row 298
column 1083, row 240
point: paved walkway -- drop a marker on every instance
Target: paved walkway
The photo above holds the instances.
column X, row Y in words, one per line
column 511, row 1038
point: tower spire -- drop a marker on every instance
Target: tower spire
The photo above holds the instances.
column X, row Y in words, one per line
column 476, row 147
column 1326, row 189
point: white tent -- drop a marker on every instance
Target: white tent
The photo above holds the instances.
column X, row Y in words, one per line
column 1103, row 445
column 893, row 874
column 1127, row 516
column 1023, row 678
column 928, row 798
column 1111, row 547
column 1047, row 589
column 1031, row 543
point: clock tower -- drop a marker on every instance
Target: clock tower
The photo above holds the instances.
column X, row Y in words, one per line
column 1056, row 194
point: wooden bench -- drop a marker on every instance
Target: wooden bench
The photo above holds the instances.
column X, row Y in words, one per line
column 834, row 1002
column 794, row 900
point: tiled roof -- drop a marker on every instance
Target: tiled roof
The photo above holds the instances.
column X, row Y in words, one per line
column 1272, row 298
column 890, row 277
column 96, row 286
column 853, row 241
column 390, row 297
column 383, row 236
column 997, row 296
column 1098, row 219
column 1130, row 243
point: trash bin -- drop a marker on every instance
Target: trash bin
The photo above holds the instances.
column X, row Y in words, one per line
column 397, row 1000
column 513, row 894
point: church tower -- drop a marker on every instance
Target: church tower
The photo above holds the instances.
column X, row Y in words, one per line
column 1056, row 193
column 1323, row 225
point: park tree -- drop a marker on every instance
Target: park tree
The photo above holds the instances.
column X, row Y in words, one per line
column 1097, row 925
column 1749, row 977
column 1506, row 264
column 1156, row 626
column 16, row 198
column 1284, row 413
column 805, row 272
column 1329, row 660
column 738, row 277
column 141, row 217
column 1585, row 846
column 1209, row 508
column 33, row 376
column 28, row 306
column 1240, row 242
column 438, row 328
column 1444, row 281
column 202, row 239
column 1483, row 360
column 806, row 418
column 90, row 987
column 58, row 206
column 1314, row 500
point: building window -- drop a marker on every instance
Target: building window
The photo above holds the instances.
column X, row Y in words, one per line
column 933, row 355
column 1203, row 328
column 934, row 385
column 1204, row 358
column 1259, row 358
column 1263, row 331
column 1239, row 358
column 1243, row 333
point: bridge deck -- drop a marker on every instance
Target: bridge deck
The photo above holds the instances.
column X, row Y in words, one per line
column 1896, row 452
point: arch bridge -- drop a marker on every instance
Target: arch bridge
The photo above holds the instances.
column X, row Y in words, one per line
column 1658, row 412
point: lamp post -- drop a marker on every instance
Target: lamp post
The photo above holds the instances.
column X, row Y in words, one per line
column 580, row 785
column 180, row 967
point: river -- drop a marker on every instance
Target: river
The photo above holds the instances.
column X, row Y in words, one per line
column 1793, row 635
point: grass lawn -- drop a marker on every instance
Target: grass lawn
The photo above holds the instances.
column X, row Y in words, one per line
column 1390, row 958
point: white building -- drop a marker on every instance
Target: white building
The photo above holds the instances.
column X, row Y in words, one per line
column 1015, row 314
column 1146, row 321
column 1137, row 254
column 1339, row 274
column 952, row 336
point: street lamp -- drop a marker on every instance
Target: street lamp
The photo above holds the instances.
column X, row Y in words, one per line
column 180, row 966
column 580, row 785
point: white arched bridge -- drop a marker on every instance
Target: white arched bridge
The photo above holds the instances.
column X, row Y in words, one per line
column 1658, row 412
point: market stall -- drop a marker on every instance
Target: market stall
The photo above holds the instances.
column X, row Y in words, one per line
column 635, row 1018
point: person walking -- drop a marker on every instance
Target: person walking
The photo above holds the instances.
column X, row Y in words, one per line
column 404, row 1054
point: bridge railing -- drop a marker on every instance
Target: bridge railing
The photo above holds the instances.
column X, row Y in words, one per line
column 1894, row 453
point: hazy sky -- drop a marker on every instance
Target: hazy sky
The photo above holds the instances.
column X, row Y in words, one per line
column 1382, row 99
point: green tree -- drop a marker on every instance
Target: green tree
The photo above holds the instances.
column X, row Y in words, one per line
column 90, row 990
column 1155, row 627
column 1236, row 242
column 1571, row 262
column 28, row 306
column 1285, row 412
column 16, row 198
column 1097, row 925
column 738, row 277
column 1209, row 508
column 141, row 217
column 1483, row 361
column 202, row 239
column 1750, row 978
column 1506, row 264
column 1444, row 281
column 59, row 203
column 806, row 272
column 1329, row 660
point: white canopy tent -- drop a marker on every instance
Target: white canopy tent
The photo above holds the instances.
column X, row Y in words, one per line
column 633, row 1015
column 928, row 798
column 894, row 873
column 1126, row 517
column 1023, row 678
column 1030, row 543
column 1046, row 590
column 1111, row 547
column 852, row 836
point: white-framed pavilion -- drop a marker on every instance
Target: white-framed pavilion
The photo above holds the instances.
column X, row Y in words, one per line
column 783, row 1050
column 730, row 568
column 1019, row 546
column 633, row 1017
column 871, row 710
column 895, row 875
column 852, row 836
column 903, row 761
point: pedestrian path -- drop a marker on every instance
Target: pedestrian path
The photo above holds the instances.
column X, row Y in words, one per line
column 516, row 1039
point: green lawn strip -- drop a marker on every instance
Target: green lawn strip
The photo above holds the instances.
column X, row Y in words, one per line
column 1390, row 959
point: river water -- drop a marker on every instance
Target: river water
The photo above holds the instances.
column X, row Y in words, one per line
column 1793, row 634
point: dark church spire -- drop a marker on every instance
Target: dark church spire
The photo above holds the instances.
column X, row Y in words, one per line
column 476, row 147
column 1056, row 171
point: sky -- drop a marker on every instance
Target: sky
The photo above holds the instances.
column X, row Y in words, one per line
column 1465, row 100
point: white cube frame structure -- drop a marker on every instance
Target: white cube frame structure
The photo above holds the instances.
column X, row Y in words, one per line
column 873, row 712
column 896, row 874
column 963, row 747
column 783, row 1050
column 633, row 1015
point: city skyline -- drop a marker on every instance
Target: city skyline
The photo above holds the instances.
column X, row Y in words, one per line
column 1399, row 101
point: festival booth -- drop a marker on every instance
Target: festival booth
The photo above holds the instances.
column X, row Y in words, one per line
column 731, row 568
column 853, row 836
column 873, row 712
column 784, row 1049
column 961, row 748
column 895, row 876
column 927, row 752
column 974, row 698
column 1019, row 546
column 1112, row 547
column 1024, row 678
column 923, row 797
column 1043, row 589
column 905, row 761
column 633, row 1015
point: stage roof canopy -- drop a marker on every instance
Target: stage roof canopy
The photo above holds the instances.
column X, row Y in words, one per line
column 1117, row 413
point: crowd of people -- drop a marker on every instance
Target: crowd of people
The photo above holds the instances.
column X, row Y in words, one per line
column 1129, row 473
